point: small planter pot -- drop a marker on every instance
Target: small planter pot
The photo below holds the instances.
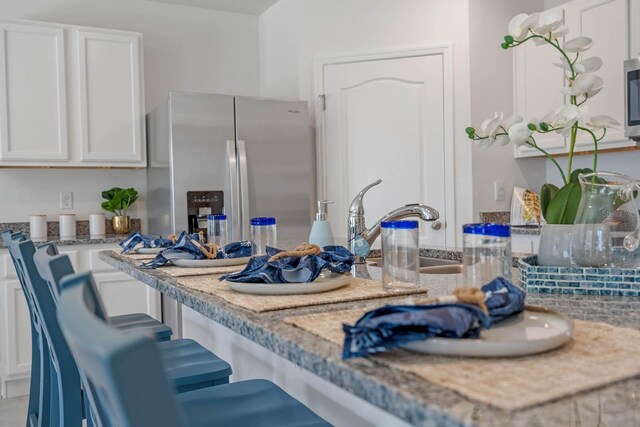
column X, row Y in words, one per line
column 555, row 245
column 121, row 224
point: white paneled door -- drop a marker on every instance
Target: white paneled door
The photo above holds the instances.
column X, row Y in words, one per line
column 388, row 117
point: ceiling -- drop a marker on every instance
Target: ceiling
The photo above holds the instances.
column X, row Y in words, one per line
column 248, row 7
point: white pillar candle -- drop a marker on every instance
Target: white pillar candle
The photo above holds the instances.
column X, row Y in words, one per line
column 67, row 226
column 97, row 227
column 38, row 228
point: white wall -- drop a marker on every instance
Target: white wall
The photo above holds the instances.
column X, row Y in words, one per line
column 294, row 32
column 491, row 91
column 185, row 49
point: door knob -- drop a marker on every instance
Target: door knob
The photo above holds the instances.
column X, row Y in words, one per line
column 436, row 225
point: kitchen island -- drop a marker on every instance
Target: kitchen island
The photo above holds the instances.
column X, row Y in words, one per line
column 398, row 393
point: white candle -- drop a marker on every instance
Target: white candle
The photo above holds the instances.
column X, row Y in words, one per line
column 97, row 226
column 67, row 226
column 38, row 228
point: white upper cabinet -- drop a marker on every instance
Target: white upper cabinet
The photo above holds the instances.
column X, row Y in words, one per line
column 537, row 82
column 72, row 96
column 112, row 118
column 33, row 95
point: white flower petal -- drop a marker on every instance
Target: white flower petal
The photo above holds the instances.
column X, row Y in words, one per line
column 602, row 121
column 564, row 64
column 560, row 32
column 487, row 142
column 591, row 65
column 510, row 121
column 515, row 26
column 519, row 133
column 579, row 44
column 548, row 22
column 583, row 84
column 550, row 117
column 594, row 92
column 502, row 139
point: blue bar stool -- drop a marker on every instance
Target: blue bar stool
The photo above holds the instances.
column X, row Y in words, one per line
column 129, row 386
column 191, row 365
column 39, row 387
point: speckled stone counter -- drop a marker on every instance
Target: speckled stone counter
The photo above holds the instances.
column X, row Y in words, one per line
column 82, row 232
column 416, row 401
column 81, row 240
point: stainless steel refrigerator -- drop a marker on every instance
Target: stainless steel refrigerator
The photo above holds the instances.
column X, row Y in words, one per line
column 242, row 156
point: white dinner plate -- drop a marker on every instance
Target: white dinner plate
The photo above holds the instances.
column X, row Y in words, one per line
column 325, row 282
column 535, row 330
column 148, row 251
column 196, row 263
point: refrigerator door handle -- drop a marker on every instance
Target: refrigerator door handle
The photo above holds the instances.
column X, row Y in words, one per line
column 234, row 191
column 244, row 189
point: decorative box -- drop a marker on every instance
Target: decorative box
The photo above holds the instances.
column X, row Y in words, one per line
column 578, row 280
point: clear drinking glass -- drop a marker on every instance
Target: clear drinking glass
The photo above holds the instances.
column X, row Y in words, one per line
column 263, row 234
column 218, row 231
column 486, row 253
column 400, row 254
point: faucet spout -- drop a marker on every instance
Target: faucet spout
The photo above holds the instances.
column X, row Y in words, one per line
column 425, row 213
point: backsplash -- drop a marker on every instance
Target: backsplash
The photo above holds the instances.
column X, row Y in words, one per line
column 500, row 217
column 53, row 227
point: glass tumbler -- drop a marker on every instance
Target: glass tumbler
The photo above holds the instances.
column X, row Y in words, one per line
column 263, row 234
column 400, row 254
column 218, row 231
column 486, row 253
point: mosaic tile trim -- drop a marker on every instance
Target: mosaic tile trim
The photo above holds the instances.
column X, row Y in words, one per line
column 578, row 280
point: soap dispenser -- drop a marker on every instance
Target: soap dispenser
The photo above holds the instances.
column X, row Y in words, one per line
column 321, row 233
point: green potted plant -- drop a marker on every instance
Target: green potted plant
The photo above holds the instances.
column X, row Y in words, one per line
column 559, row 204
column 118, row 201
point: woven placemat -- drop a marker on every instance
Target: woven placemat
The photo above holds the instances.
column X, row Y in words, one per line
column 136, row 257
column 598, row 354
column 199, row 271
column 356, row 290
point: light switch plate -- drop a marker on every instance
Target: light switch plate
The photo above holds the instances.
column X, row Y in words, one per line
column 66, row 200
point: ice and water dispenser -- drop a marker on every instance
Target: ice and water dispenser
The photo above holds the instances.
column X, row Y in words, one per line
column 201, row 204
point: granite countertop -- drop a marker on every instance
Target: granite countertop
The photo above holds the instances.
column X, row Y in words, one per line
column 80, row 240
column 416, row 401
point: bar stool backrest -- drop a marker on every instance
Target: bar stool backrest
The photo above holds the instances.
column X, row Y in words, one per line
column 124, row 370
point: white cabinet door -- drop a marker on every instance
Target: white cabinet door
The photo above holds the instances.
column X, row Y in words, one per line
column 17, row 337
column 537, row 84
column 112, row 118
column 389, row 118
column 33, row 107
column 607, row 23
column 123, row 295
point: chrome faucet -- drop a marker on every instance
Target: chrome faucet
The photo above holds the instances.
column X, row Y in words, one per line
column 358, row 231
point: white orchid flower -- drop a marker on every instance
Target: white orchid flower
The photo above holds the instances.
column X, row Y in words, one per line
column 564, row 64
column 584, row 84
column 548, row 22
column 520, row 25
column 490, row 127
column 579, row 44
column 590, row 65
column 503, row 139
column 560, row 32
column 512, row 120
column 562, row 118
column 602, row 121
column 519, row 133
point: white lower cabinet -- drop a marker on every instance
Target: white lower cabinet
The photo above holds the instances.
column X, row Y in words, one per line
column 250, row 361
column 121, row 294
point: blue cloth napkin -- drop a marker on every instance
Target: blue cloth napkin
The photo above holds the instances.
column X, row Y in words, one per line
column 293, row 269
column 147, row 241
column 395, row 325
column 186, row 248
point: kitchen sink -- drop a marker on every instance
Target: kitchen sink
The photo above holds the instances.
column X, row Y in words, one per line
column 428, row 265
